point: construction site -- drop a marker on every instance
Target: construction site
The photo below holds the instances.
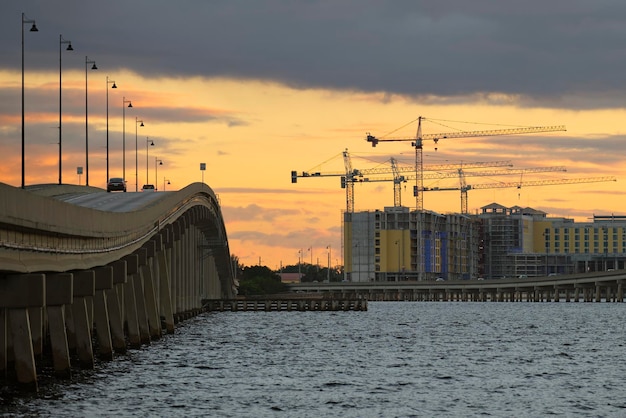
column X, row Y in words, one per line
column 402, row 243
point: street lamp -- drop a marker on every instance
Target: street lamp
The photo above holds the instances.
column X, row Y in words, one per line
column 151, row 143
column 107, row 88
column 32, row 29
column 124, row 101
column 156, row 182
column 87, row 61
column 136, row 155
column 165, row 180
column 69, row 48
column 328, row 271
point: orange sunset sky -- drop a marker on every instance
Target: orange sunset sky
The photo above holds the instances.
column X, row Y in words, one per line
column 255, row 90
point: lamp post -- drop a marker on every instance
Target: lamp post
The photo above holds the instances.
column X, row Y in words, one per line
column 136, row 155
column 328, row 271
column 69, row 48
column 107, row 88
column 124, row 101
column 299, row 265
column 165, row 180
column 32, row 29
column 151, row 143
column 156, row 182
column 87, row 61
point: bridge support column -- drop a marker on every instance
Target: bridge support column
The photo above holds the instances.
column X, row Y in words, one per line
column 114, row 301
column 59, row 297
column 35, row 317
column 130, row 307
column 165, row 297
column 84, row 287
column 103, row 283
column 18, row 293
column 598, row 293
column 147, row 274
column 177, row 273
column 140, row 298
column 619, row 297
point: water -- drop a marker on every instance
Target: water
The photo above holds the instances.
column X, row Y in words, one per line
column 402, row 359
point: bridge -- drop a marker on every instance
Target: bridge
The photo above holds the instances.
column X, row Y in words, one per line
column 79, row 265
column 585, row 287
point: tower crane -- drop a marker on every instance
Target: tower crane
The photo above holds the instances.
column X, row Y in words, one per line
column 352, row 175
column 417, row 142
column 462, row 174
column 465, row 187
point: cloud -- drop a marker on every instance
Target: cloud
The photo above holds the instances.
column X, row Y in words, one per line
column 533, row 52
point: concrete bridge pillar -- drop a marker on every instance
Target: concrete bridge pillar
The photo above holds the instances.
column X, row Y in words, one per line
column 59, row 297
column 140, row 297
column 103, row 283
column 18, row 293
column 177, row 296
column 130, row 307
column 165, row 298
column 619, row 297
column 115, row 303
column 84, row 287
column 147, row 274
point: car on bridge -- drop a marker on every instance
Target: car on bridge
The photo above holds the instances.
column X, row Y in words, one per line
column 116, row 184
column 148, row 188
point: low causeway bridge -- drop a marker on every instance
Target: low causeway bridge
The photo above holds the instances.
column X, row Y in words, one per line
column 82, row 269
column 588, row 287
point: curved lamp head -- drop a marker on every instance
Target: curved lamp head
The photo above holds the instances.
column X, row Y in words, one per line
column 160, row 162
column 143, row 125
column 69, row 47
column 114, row 86
column 34, row 28
column 130, row 104
column 93, row 67
column 151, row 143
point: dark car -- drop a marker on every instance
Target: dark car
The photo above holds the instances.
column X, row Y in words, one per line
column 116, row 184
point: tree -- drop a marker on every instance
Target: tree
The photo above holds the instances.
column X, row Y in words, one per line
column 260, row 280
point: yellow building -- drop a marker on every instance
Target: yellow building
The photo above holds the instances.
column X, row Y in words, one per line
column 525, row 242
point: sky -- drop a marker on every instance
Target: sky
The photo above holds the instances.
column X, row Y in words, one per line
column 257, row 89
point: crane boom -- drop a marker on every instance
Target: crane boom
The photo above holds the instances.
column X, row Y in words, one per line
column 417, row 142
column 541, row 183
column 397, row 180
column 352, row 175
column 465, row 187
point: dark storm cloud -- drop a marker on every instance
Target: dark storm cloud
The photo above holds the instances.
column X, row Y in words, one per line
column 541, row 51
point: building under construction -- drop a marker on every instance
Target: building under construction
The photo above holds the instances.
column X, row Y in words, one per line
column 398, row 244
